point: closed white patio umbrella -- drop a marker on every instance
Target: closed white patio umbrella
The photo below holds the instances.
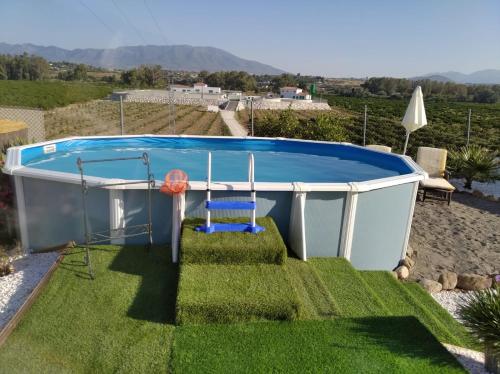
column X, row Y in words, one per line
column 415, row 117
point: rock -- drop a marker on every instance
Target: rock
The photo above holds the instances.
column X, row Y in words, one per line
column 431, row 285
column 473, row 282
column 449, row 280
column 394, row 274
column 402, row 272
column 10, row 269
column 408, row 262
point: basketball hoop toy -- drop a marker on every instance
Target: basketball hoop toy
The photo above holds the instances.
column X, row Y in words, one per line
column 176, row 182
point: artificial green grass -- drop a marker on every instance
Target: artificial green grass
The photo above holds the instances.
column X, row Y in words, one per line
column 316, row 302
column 232, row 247
column 233, row 293
column 348, row 289
column 363, row 345
column 401, row 302
column 119, row 322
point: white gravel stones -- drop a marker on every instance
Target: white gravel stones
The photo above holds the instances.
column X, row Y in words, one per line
column 449, row 300
column 16, row 287
column 471, row 360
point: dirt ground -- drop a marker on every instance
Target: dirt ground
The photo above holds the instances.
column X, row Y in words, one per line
column 463, row 237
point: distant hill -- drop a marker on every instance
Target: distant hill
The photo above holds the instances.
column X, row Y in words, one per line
column 488, row 76
column 173, row 57
column 432, row 77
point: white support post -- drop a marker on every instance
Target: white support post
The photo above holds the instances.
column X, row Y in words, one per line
column 410, row 219
column 178, row 211
column 297, row 227
column 116, row 216
column 21, row 211
column 348, row 222
column 209, row 178
column 253, row 194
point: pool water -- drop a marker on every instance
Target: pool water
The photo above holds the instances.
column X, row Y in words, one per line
column 275, row 160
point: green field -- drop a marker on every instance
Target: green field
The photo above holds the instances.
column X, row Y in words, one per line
column 446, row 127
column 49, row 94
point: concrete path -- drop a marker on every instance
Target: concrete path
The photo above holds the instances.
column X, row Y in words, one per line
column 233, row 125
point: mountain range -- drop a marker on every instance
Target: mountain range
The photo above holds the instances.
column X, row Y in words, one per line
column 488, row 76
column 172, row 57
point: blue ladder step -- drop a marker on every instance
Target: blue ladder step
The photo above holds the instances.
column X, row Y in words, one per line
column 230, row 227
column 230, row 205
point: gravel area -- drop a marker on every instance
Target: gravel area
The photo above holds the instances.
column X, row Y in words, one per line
column 16, row 287
column 449, row 300
column 471, row 360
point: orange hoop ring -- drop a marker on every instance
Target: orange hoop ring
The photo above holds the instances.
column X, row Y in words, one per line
column 176, row 182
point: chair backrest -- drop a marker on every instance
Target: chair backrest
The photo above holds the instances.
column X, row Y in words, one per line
column 432, row 160
column 377, row 147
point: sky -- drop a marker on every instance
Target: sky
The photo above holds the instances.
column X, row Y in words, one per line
column 399, row 38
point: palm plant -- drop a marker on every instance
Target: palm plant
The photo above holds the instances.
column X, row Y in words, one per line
column 480, row 312
column 474, row 163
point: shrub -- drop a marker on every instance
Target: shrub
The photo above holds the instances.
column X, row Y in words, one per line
column 7, row 216
column 287, row 124
column 474, row 163
column 481, row 314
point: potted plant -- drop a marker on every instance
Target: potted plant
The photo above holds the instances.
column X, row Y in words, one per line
column 480, row 312
column 474, row 163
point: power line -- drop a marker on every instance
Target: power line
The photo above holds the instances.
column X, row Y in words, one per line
column 96, row 16
column 129, row 22
column 156, row 23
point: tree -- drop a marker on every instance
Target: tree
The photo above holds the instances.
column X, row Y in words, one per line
column 283, row 80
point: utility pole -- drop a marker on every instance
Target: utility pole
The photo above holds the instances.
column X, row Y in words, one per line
column 251, row 115
column 364, row 126
column 468, row 127
column 122, row 130
column 172, row 107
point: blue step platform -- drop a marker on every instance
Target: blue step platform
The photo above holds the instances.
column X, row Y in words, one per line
column 230, row 205
column 230, row 227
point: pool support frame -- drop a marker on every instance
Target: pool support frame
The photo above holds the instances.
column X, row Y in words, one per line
column 301, row 200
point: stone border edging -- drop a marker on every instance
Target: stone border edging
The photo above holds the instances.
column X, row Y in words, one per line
column 16, row 318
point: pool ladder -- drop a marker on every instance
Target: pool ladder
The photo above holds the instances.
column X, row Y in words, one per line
column 251, row 227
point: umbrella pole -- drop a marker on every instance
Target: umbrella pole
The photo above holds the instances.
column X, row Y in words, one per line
column 406, row 141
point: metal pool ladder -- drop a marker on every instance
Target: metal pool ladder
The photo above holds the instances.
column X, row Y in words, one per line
column 120, row 233
column 251, row 227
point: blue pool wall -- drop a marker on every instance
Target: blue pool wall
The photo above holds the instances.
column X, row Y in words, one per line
column 55, row 216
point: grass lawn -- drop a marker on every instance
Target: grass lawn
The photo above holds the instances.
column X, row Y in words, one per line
column 232, row 293
column 411, row 299
column 348, row 288
column 119, row 322
column 234, row 247
column 123, row 321
column 363, row 345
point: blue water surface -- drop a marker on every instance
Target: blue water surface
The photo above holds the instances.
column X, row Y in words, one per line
column 275, row 160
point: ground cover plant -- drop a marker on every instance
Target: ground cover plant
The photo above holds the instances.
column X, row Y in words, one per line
column 215, row 293
column 119, row 322
column 49, row 94
column 232, row 248
column 363, row 345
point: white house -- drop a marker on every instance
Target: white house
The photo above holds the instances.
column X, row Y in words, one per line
column 294, row 93
column 197, row 88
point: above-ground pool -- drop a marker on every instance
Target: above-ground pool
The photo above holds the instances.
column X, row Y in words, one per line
column 328, row 199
